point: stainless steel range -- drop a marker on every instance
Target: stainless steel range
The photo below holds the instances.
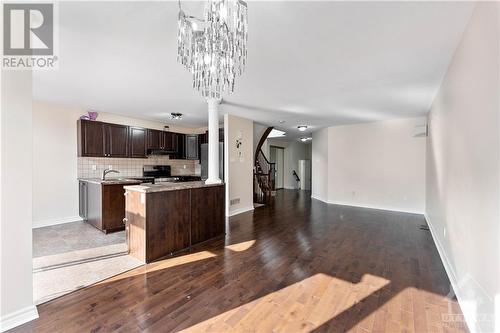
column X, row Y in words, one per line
column 163, row 173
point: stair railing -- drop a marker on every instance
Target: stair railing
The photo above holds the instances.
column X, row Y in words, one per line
column 264, row 178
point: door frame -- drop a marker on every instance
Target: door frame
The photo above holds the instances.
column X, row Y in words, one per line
column 283, row 167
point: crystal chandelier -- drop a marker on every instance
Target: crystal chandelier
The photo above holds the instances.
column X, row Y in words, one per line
column 214, row 49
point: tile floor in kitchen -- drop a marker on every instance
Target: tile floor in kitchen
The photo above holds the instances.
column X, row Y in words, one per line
column 70, row 256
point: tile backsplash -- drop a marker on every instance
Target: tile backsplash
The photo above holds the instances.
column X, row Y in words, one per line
column 132, row 167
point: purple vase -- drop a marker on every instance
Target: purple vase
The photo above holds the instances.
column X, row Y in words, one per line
column 93, row 115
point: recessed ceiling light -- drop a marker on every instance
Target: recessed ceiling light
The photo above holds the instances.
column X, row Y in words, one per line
column 302, row 128
column 305, row 139
column 176, row 116
column 281, row 121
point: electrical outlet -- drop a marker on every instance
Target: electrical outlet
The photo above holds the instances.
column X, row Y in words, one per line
column 94, row 167
column 110, row 167
column 234, row 201
column 184, row 166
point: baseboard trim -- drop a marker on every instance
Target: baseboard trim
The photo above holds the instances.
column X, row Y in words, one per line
column 318, row 198
column 340, row 203
column 469, row 318
column 240, row 211
column 390, row 209
column 18, row 318
column 48, row 223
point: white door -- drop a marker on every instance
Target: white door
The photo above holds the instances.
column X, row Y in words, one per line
column 305, row 174
column 280, row 167
column 277, row 156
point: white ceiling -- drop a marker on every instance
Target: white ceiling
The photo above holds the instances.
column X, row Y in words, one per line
column 314, row 63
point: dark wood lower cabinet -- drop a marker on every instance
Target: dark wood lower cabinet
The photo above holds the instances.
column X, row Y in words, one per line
column 207, row 207
column 167, row 223
column 163, row 223
column 106, row 206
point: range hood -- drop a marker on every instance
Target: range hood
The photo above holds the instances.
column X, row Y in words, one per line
column 160, row 152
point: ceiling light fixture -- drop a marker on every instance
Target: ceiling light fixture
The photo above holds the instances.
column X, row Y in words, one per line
column 214, row 48
column 176, row 116
column 302, row 128
column 305, row 139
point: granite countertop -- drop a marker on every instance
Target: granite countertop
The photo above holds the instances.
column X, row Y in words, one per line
column 161, row 187
column 110, row 181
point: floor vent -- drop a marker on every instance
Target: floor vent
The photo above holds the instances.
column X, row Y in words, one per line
column 424, row 227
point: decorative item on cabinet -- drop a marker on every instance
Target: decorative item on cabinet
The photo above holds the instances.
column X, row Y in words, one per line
column 91, row 115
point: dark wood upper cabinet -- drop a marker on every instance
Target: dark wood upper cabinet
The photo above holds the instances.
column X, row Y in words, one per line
column 90, row 138
column 98, row 139
column 155, row 139
column 116, row 140
column 168, row 141
column 181, row 145
column 162, row 140
column 137, row 142
column 203, row 138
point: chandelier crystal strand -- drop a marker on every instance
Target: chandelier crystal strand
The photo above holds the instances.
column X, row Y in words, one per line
column 214, row 49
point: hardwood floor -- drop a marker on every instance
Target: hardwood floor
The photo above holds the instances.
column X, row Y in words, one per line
column 298, row 266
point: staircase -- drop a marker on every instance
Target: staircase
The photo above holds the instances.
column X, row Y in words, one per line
column 264, row 174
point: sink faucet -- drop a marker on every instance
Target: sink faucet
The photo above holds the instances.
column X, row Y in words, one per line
column 106, row 171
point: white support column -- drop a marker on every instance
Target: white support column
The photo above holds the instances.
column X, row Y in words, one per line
column 213, row 142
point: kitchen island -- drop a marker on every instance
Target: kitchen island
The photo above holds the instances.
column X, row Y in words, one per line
column 165, row 218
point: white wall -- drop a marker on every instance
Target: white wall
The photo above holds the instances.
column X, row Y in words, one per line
column 379, row 165
column 16, row 286
column 55, row 187
column 319, row 165
column 258, row 131
column 238, row 164
column 462, row 201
